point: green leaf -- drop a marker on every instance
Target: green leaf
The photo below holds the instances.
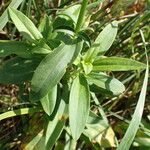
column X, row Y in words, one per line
column 53, row 131
column 17, row 70
column 24, row 25
column 4, row 17
column 17, row 112
column 103, row 42
column 56, row 125
column 87, row 67
column 79, row 105
column 51, row 70
column 117, row 64
column 49, row 101
column 136, row 119
column 21, row 49
column 106, row 38
column 41, row 47
column 110, row 84
column 71, row 12
column 46, row 27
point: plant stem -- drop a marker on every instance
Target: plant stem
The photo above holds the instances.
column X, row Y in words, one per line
column 81, row 16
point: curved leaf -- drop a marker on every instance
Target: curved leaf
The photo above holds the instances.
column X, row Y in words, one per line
column 51, row 70
column 117, row 64
column 24, row 25
column 17, row 70
column 79, row 105
column 137, row 116
column 112, row 85
column 21, row 49
column 49, row 101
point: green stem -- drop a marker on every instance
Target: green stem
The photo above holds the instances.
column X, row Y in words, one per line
column 81, row 15
column 73, row 144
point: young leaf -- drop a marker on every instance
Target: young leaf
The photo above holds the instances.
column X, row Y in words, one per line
column 51, row 70
column 117, row 64
column 71, row 12
column 49, row 101
column 24, row 25
column 112, row 85
column 21, row 49
column 106, row 38
column 4, row 17
column 103, row 42
column 79, row 105
column 17, row 70
column 46, row 27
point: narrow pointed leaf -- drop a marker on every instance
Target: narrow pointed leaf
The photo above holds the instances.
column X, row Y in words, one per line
column 103, row 42
column 117, row 64
column 4, row 18
column 51, row 70
column 17, row 70
column 79, row 104
column 24, row 25
column 54, row 129
column 55, row 126
column 137, row 116
column 21, row 49
column 46, row 27
column 112, row 85
column 106, row 38
column 49, row 101
column 136, row 119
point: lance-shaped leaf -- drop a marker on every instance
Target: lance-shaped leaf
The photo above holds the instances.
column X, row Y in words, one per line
column 71, row 12
column 17, row 70
column 106, row 38
column 108, row 84
column 21, row 49
column 49, row 101
column 56, row 125
column 117, row 64
column 79, row 104
column 103, row 42
column 24, row 25
column 4, row 16
column 46, row 27
column 51, row 70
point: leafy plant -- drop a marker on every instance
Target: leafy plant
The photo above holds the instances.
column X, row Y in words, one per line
column 65, row 70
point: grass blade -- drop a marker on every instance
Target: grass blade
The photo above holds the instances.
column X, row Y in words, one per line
column 137, row 116
column 22, row 111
